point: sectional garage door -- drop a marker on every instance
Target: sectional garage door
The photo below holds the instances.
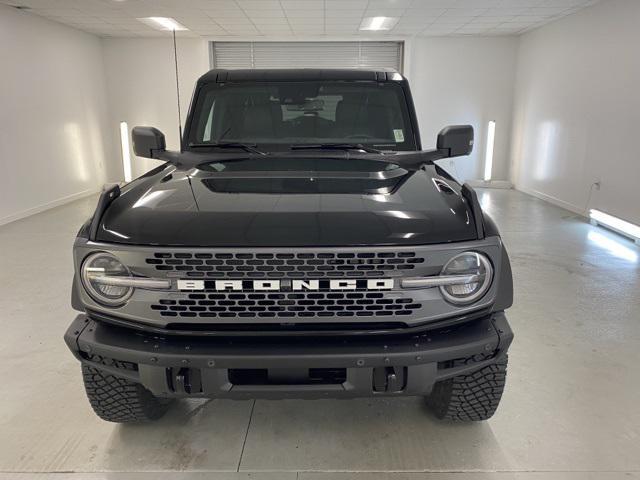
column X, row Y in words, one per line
column 307, row 55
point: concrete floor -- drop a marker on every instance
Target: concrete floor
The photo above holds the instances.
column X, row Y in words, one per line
column 571, row 409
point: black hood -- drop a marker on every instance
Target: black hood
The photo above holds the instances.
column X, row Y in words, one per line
column 267, row 204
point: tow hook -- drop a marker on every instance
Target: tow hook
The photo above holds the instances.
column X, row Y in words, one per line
column 389, row 379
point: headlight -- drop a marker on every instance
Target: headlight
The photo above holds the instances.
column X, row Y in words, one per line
column 101, row 275
column 475, row 265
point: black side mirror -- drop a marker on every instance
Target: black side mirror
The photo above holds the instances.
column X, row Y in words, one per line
column 148, row 142
column 455, row 140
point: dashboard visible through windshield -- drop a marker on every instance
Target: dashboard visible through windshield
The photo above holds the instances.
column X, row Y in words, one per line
column 276, row 116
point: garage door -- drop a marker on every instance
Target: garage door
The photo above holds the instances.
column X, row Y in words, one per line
column 307, row 55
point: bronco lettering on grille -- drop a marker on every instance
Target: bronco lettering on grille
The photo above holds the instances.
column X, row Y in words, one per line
column 287, row 285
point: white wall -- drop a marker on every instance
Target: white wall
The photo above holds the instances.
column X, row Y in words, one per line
column 465, row 81
column 53, row 110
column 142, row 89
column 577, row 110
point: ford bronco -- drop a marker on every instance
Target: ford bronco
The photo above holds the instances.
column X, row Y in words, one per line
column 301, row 244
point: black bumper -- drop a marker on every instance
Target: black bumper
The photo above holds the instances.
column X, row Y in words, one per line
column 178, row 366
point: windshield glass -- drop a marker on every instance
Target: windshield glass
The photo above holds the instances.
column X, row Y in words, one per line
column 277, row 115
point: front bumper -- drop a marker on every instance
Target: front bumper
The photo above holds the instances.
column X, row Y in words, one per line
column 178, row 366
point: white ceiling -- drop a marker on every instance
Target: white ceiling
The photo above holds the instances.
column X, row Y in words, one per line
column 304, row 18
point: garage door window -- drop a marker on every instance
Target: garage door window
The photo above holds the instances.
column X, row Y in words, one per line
column 374, row 55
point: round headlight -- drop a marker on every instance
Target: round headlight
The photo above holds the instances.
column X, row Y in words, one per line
column 95, row 269
column 475, row 265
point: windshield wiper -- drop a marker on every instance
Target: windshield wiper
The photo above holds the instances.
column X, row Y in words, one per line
column 335, row 146
column 244, row 146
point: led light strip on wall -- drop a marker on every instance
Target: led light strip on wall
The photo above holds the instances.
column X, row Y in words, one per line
column 488, row 157
column 616, row 224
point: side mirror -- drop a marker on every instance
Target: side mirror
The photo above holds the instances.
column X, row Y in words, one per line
column 148, row 142
column 455, row 140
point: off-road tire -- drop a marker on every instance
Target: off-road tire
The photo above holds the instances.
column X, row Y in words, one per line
column 116, row 399
column 471, row 397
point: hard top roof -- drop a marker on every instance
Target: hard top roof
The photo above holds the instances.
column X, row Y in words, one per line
column 299, row 74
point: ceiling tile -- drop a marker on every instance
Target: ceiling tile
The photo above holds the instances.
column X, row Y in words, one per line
column 389, row 4
column 383, row 12
column 269, row 20
column 344, row 13
column 345, row 4
column 478, row 3
column 306, row 21
column 507, row 11
column 275, row 30
column 302, row 4
column 259, row 4
column 244, row 30
column 492, row 19
column 414, row 22
column 304, row 13
column 238, row 12
column 231, row 21
column 264, row 13
column 464, row 12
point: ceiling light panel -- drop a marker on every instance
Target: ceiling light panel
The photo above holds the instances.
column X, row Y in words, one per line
column 378, row 23
column 163, row 23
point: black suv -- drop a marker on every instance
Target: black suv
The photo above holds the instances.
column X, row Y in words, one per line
column 301, row 244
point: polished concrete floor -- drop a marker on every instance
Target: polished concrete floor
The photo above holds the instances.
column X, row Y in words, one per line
column 571, row 409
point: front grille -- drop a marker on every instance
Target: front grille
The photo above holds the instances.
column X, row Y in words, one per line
column 290, row 265
column 283, row 305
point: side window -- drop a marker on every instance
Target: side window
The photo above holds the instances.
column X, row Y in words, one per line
column 206, row 136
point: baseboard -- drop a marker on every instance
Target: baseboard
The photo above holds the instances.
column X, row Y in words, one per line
column 553, row 200
column 49, row 205
column 502, row 184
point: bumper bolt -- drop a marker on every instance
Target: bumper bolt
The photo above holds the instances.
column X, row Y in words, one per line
column 418, row 358
column 211, row 363
column 360, row 362
column 185, row 362
column 154, row 359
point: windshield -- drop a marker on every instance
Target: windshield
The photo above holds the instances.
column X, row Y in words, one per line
column 279, row 115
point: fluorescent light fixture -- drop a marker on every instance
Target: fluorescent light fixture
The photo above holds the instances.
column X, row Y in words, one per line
column 126, row 151
column 616, row 224
column 163, row 23
column 488, row 156
column 378, row 23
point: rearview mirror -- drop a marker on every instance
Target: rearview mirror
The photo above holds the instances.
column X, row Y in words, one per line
column 455, row 140
column 148, row 142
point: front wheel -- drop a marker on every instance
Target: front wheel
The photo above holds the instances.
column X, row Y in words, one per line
column 471, row 397
column 117, row 399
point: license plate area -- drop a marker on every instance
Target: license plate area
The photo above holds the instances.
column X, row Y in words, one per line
column 287, row 376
